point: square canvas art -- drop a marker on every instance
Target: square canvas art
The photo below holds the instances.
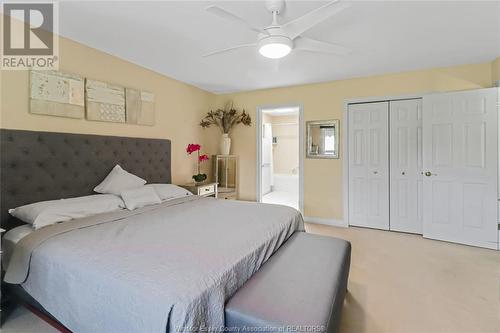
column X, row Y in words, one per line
column 105, row 102
column 56, row 94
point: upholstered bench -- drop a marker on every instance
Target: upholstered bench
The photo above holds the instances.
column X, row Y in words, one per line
column 301, row 288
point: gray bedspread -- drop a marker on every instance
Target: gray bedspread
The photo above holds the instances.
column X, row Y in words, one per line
column 164, row 268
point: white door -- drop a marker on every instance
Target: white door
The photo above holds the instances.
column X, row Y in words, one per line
column 368, row 165
column 460, row 141
column 406, row 165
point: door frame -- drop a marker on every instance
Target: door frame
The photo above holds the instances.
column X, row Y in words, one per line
column 345, row 141
column 259, row 149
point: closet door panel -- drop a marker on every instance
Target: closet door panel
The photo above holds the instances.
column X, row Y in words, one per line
column 406, row 165
column 460, row 164
column 368, row 165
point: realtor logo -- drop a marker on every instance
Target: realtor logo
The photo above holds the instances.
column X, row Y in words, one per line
column 29, row 36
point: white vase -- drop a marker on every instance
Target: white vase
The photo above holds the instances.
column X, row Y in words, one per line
column 225, row 144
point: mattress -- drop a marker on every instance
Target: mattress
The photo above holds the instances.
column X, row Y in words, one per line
column 11, row 238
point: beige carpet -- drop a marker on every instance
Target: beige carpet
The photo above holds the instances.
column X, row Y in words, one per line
column 402, row 283
column 399, row 283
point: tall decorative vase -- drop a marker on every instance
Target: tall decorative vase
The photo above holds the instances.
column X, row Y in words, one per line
column 225, row 144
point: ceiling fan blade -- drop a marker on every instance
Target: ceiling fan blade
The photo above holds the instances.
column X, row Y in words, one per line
column 307, row 21
column 233, row 18
column 313, row 45
column 229, row 49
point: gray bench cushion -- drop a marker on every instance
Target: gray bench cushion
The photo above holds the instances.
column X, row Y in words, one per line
column 301, row 287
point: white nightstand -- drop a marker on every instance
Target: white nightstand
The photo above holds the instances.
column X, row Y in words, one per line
column 207, row 189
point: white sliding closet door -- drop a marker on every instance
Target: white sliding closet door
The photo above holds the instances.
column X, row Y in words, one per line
column 406, row 165
column 460, row 133
column 368, row 165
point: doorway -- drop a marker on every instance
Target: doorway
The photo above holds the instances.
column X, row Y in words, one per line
column 280, row 162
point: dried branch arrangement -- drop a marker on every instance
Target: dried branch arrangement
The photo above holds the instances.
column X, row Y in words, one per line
column 226, row 119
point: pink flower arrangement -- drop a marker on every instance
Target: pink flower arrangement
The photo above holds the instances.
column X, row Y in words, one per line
column 191, row 148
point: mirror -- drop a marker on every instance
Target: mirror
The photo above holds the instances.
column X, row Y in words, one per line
column 323, row 139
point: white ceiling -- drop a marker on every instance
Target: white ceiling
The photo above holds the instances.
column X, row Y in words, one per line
column 387, row 37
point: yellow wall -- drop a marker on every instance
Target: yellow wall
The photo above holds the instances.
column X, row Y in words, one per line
column 179, row 106
column 323, row 178
column 495, row 69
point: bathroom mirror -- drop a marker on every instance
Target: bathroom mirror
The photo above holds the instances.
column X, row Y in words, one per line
column 323, row 139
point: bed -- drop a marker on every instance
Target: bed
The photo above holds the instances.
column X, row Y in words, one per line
column 167, row 267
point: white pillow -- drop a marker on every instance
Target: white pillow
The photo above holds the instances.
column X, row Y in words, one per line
column 119, row 180
column 140, row 197
column 169, row 191
column 45, row 213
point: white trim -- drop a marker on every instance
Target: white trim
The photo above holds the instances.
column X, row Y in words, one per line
column 498, row 163
column 498, row 158
column 320, row 220
column 345, row 140
column 374, row 99
column 345, row 164
column 258, row 160
column 258, row 170
column 301, row 157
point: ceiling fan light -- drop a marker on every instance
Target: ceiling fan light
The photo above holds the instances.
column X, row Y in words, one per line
column 275, row 47
column 275, row 50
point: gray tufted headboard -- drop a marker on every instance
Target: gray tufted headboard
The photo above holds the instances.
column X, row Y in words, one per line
column 37, row 166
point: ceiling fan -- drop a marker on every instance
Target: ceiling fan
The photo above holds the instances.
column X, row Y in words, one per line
column 278, row 40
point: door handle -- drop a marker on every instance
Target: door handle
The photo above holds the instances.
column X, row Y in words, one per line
column 375, row 172
column 428, row 174
column 403, row 173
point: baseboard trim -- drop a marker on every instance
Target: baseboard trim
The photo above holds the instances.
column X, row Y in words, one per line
column 320, row 220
